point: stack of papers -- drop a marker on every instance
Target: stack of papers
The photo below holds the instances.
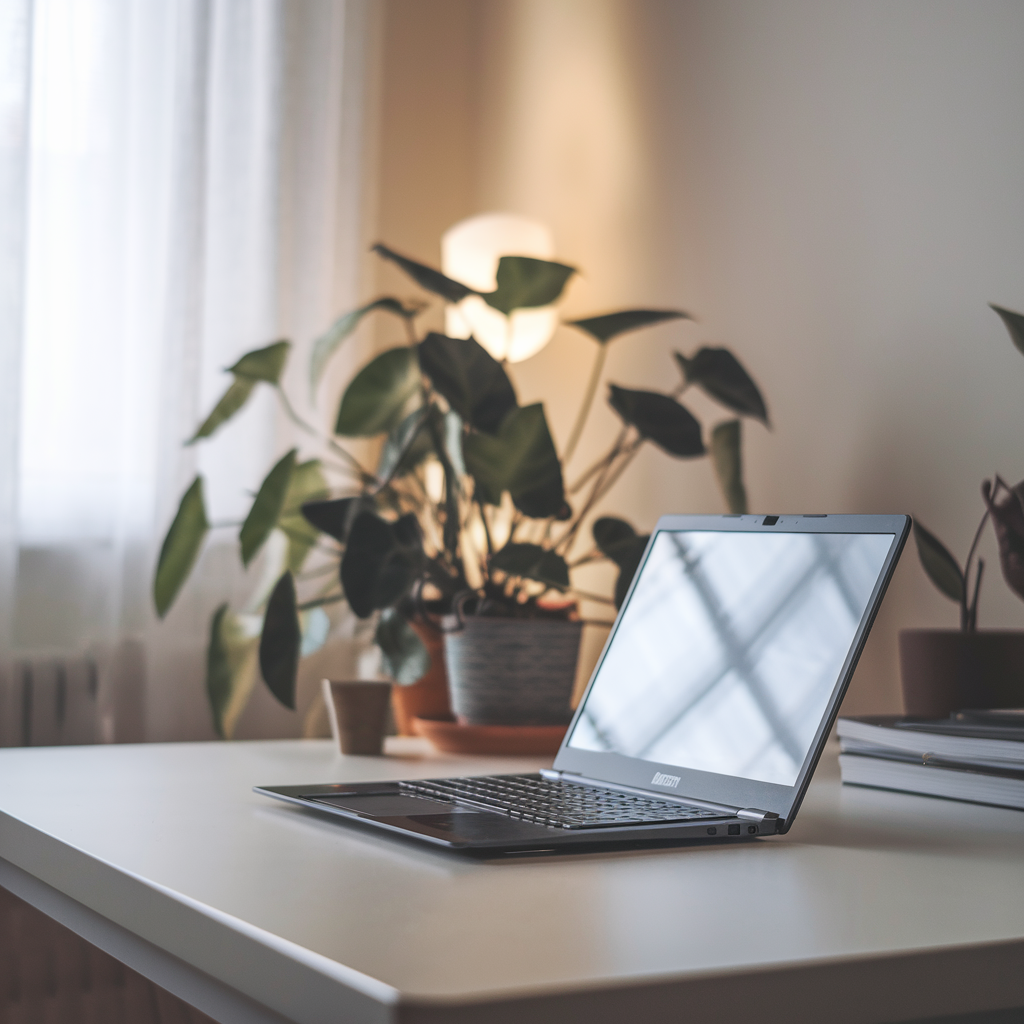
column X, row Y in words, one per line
column 978, row 757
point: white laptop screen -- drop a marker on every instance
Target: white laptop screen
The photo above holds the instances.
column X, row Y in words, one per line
column 729, row 649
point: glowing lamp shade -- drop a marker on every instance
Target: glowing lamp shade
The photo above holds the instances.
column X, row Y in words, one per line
column 470, row 251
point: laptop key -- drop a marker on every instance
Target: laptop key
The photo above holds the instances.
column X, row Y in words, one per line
column 555, row 803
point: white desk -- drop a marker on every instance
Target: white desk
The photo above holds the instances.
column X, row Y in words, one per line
column 869, row 910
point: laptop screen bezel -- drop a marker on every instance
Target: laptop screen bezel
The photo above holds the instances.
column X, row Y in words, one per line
column 732, row 791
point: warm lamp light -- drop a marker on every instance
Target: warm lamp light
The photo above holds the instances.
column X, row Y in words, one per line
column 470, row 251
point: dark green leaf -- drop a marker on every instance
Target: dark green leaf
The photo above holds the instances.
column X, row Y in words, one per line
column 942, row 568
column 404, row 658
column 280, row 642
column 230, row 670
column 266, row 509
column 618, row 541
column 307, row 483
column 534, row 563
column 718, row 372
column 327, row 344
column 180, row 548
column 263, row 364
column 407, row 445
column 611, row 325
column 1014, row 324
column 627, row 557
column 522, row 460
column 231, row 401
column 525, row 282
column 1007, row 512
column 376, row 400
column 610, row 532
column 381, row 561
column 659, row 418
column 725, row 452
column 426, row 277
column 474, row 384
column 335, row 517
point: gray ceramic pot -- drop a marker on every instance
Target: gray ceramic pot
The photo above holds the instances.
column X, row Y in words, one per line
column 945, row 670
column 512, row 671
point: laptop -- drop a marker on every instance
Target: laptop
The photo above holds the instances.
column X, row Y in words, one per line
column 706, row 713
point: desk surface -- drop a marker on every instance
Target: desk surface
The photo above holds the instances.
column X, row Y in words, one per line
column 880, row 906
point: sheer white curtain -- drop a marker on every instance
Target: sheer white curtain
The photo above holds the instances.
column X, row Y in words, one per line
column 180, row 182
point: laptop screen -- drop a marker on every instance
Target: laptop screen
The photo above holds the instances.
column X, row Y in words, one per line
column 729, row 649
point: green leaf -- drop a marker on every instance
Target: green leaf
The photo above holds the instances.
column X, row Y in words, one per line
column 659, row 418
column 376, row 400
column 942, row 568
column 611, row 325
column 473, row 383
column 1014, row 324
column 628, row 560
column 407, row 445
column 725, row 453
column 522, row 460
column 404, row 658
column 335, row 517
column 280, row 642
column 307, row 482
column 180, row 548
column 534, row 563
column 718, row 372
column 610, row 532
column 525, row 282
column 618, row 541
column 230, row 669
column 327, row 344
column 426, row 277
column 266, row 509
column 231, row 401
column 381, row 561
column 263, row 364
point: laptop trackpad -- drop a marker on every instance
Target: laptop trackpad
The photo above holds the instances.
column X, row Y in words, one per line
column 386, row 806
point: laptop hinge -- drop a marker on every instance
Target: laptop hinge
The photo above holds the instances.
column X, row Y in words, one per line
column 675, row 798
column 755, row 814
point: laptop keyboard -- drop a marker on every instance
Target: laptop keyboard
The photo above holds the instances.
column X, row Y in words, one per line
column 556, row 803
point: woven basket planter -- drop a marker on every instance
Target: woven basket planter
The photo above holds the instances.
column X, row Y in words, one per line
column 512, row 671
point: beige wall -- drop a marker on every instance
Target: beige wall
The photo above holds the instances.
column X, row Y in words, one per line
column 835, row 189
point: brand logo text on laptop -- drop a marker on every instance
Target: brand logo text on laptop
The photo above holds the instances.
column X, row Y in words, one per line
column 661, row 779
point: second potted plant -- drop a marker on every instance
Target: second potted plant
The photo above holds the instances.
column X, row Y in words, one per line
column 948, row 670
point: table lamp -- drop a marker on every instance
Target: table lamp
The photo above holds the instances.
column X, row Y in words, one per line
column 470, row 251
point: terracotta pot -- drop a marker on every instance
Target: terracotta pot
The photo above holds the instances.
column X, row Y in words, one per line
column 512, row 671
column 946, row 670
column 361, row 714
column 428, row 696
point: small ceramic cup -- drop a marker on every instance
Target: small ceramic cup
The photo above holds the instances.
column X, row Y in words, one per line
column 359, row 713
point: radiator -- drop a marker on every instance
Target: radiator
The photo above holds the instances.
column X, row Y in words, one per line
column 56, row 699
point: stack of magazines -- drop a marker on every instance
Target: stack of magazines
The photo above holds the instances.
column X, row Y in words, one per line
column 976, row 756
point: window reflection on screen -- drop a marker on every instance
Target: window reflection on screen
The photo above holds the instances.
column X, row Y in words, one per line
column 729, row 650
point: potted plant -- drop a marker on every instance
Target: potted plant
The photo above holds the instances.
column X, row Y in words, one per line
column 466, row 517
column 946, row 670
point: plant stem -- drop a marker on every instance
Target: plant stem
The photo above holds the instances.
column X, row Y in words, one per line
column 588, row 401
column 487, row 529
column 318, row 601
column 972, row 624
column 969, row 610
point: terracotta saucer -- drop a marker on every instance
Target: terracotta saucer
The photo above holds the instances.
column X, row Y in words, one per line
column 453, row 738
